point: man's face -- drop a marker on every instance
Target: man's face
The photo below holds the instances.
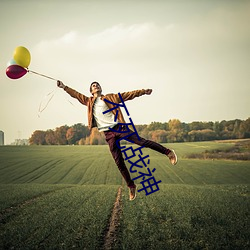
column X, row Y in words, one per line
column 95, row 88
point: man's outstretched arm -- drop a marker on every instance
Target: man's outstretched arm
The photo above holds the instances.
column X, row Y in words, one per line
column 136, row 93
column 80, row 97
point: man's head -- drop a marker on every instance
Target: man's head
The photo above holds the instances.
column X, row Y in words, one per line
column 95, row 87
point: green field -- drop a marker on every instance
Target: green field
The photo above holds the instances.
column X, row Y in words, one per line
column 62, row 197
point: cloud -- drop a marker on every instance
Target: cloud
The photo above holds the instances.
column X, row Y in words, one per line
column 107, row 38
column 114, row 47
column 116, row 39
column 120, row 36
column 68, row 38
column 200, row 41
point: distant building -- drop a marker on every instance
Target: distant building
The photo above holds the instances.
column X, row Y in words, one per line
column 1, row 138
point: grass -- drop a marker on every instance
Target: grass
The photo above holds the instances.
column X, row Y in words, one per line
column 240, row 150
column 188, row 217
column 65, row 218
column 61, row 197
column 58, row 165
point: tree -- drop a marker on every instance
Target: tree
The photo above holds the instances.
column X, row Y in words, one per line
column 175, row 133
column 76, row 133
column 202, row 135
column 60, row 134
column 245, row 129
column 196, row 126
column 236, row 128
column 50, row 137
column 96, row 138
column 70, row 136
column 38, row 138
column 156, row 126
column 159, row 135
column 185, row 130
column 140, row 128
column 217, row 129
column 145, row 133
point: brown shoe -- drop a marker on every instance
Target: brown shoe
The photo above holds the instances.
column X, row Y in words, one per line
column 132, row 193
column 172, row 157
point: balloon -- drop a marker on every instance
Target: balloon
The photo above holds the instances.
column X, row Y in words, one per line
column 22, row 56
column 15, row 71
column 11, row 62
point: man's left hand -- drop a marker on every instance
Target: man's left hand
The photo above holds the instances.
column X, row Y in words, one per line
column 148, row 91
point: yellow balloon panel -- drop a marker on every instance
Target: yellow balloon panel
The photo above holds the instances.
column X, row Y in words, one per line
column 22, row 56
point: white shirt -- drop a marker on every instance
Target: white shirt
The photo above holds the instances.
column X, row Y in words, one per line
column 103, row 121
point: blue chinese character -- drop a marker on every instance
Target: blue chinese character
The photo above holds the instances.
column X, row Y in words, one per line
column 135, row 164
column 133, row 152
column 152, row 186
column 116, row 106
column 125, row 129
column 143, row 174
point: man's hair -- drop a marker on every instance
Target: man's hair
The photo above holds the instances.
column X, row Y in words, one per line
column 91, row 86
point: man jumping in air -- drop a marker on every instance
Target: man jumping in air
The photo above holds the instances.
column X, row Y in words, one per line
column 97, row 106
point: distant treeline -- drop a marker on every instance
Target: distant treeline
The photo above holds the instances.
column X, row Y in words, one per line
column 172, row 131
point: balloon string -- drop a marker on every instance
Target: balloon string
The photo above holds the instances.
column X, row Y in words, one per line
column 31, row 71
column 71, row 103
column 50, row 96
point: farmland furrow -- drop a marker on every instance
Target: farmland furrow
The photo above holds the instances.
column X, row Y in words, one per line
column 240, row 177
column 176, row 174
column 92, row 176
column 12, row 164
column 83, row 181
column 6, row 214
column 67, row 172
column 112, row 229
column 58, row 227
column 45, row 169
column 192, row 176
column 106, row 172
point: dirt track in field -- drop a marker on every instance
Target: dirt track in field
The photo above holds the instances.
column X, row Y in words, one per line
column 111, row 235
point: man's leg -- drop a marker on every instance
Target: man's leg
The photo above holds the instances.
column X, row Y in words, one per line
column 152, row 145
column 119, row 160
column 147, row 143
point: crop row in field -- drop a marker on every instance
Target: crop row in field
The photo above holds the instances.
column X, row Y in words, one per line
column 57, row 218
column 94, row 165
column 188, row 217
column 177, row 217
column 58, row 165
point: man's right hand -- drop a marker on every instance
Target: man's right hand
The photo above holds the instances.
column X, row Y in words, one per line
column 60, row 84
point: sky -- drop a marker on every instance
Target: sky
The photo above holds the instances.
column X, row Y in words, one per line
column 195, row 55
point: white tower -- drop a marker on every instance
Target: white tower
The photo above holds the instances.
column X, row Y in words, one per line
column 1, row 138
